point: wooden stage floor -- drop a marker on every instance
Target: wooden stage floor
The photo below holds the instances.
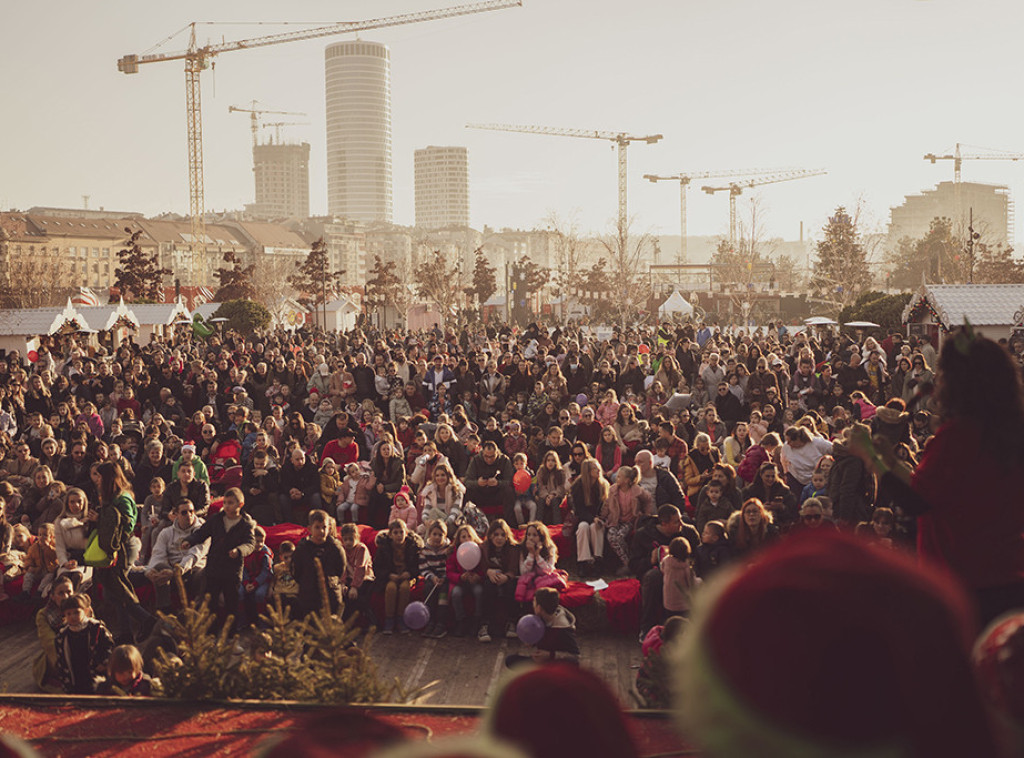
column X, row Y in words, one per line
column 465, row 672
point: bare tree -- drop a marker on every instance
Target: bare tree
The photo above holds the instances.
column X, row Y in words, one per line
column 270, row 280
column 438, row 281
column 746, row 268
column 627, row 257
column 570, row 272
column 34, row 281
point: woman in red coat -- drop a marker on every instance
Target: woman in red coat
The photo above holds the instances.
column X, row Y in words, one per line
column 968, row 491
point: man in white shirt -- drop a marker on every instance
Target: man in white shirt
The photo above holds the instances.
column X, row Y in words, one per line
column 168, row 554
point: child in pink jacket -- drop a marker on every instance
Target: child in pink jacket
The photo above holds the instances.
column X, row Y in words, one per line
column 404, row 510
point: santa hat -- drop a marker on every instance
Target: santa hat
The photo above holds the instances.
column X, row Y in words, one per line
column 560, row 710
column 828, row 646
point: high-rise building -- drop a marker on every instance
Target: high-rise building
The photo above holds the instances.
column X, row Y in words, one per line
column 358, row 78
column 282, row 181
column 991, row 204
column 442, row 187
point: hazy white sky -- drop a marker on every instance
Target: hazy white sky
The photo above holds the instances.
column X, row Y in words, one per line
column 863, row 89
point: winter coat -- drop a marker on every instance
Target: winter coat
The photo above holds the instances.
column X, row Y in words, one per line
column 332, row 557
column 361, row 494
column 384, row 560
column 648, row 536
column 242, row 537
column 455, row 571
column 306, row 479
column 851, row 487
column 101, row 645
column 358, row 565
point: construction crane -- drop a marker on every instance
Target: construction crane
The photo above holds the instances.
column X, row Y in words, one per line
column 199, row 57
column 958, row 157
column 276, row 126
column 684, row 180
column 621, row 140
column 255, row 113
column 735, row 189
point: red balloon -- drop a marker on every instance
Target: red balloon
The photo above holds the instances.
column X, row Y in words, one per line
column 33, row 356
column 521, row 481
column 643, row 350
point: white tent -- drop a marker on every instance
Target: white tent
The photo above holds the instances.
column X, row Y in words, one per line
column 676, row 305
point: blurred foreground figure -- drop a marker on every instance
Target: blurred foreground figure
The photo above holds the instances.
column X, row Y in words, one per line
column 999, row 665
column 829, row 647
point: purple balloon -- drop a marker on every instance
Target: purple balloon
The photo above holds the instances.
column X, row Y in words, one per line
column 417, row 615
column 581, row 399
column 530, row 629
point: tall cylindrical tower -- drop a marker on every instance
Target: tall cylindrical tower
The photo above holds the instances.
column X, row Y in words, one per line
column 358, row 77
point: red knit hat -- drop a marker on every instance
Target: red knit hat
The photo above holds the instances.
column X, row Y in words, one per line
column 828, row 646
column 560, row 710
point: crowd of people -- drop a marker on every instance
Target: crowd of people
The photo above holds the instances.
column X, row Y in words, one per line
column 663, row 454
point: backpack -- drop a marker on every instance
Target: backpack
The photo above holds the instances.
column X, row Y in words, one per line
column 129, row 512
column 475, row 518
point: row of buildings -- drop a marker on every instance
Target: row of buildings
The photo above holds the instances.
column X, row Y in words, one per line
column 62, row 248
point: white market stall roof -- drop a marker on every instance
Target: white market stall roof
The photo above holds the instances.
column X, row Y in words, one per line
column 103, row 317
column 981, row 304
column 675, row 304
column 206, row 310
column 31, row 322
column 344, row 304
column 161, row 314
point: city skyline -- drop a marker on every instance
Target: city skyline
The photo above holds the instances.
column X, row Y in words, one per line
column 864, row 92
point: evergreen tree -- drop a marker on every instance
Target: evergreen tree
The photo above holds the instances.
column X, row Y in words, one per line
column 138, row 276
column 385, row 288
column 841, row 268
column 936, row 257
column 485, row 282
column 236, row 281
column 314, row 279
column 997, row 265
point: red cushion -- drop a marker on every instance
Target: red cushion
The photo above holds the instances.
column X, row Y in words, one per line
column 622, row 603
column 577, row 594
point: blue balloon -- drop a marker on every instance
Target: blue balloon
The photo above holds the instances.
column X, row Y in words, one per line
column 417, row 615
column 530, row 629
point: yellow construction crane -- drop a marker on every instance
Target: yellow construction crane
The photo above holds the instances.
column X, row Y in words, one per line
column 958, row 157
column 254, row 120
column 735, row 189
column 621, row 140
column 199, row 57
column 684, row 180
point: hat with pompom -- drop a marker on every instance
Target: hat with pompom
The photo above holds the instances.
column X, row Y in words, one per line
column 829, row 646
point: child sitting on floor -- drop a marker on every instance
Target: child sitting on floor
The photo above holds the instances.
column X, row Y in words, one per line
column 559, row 641
column 125, row 677
column 83, row 646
